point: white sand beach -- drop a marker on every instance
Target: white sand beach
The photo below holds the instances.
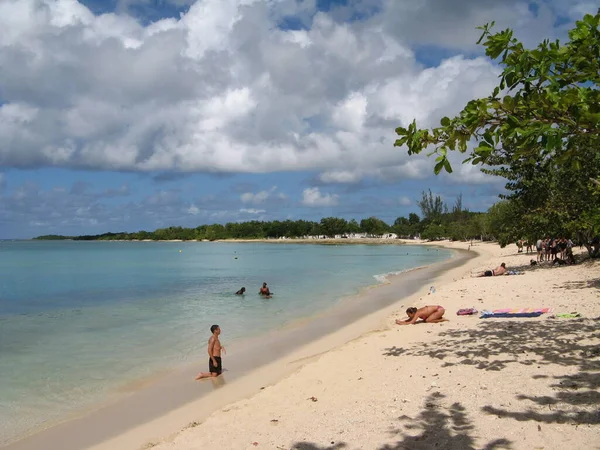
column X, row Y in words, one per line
column 519, row 383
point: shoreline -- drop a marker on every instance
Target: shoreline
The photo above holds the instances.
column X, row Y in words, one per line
column 296, row 336
column 323, row 241
column 518, row 383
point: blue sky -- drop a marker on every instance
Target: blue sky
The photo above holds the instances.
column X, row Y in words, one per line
column 123, row 115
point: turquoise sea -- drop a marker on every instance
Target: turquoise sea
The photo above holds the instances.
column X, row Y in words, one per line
column 79, row 320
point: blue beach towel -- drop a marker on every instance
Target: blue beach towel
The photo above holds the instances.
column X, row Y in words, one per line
column 491, row 315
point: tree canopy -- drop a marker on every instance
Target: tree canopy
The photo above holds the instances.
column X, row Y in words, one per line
column 460, row 224
column 539, row 129
column 551, row 106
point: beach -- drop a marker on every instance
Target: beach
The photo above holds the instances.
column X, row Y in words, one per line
column 122, row 349
column 468, row 383
column 519, row 383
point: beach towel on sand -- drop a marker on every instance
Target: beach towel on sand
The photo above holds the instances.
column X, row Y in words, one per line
column 513, row 312
column 520, row 310
column 509, row 315
column 572, row 315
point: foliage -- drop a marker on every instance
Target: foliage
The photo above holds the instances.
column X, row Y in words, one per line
column 554, row 102
column 328, row 226
column 50, row 237
column 432, row 208
column 331, row 226
column 374, row 226
column 543, row 135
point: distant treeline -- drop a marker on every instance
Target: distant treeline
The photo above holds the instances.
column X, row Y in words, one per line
column 436, row 222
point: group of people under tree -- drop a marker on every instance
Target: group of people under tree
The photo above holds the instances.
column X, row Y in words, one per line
column 557, row 250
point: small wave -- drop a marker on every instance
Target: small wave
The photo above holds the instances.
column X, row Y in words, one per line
column 384, row 278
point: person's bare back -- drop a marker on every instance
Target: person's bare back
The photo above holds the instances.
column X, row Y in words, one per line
column 429, row 314
column 500, row 270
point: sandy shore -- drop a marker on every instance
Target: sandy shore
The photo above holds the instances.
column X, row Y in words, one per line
column 527, row 383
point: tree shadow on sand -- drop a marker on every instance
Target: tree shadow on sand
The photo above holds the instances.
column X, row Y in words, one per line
column 436, row 426
column 589, row 284
column 492, row 346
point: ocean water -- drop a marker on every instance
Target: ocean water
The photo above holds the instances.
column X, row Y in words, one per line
column 78, row 320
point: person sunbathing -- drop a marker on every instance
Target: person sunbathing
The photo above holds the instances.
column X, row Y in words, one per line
column 500, row 270
column 429, row 314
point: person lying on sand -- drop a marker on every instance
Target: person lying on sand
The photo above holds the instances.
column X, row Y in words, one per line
column 500, row 270
column 429, row 314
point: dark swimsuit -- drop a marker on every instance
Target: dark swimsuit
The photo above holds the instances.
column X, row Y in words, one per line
column 215, row 369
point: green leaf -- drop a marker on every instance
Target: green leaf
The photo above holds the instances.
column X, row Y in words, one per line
column 445, row 121
column 487, row 136
column 447, row 166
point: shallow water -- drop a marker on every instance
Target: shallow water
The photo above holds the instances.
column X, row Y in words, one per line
column 80, row 319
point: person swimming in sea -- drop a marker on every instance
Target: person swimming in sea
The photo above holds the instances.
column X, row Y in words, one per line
column 428, row 314
column 265, row 292
column 242, row 291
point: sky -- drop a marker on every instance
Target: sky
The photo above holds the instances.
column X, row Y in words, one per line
column 126, row 115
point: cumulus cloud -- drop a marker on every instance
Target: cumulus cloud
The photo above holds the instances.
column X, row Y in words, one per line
column 225, row 89
column 262, row 196
column 453, row 24
column 313, row 197
column 252, row 211
column 340, row 176
column 193, row 210
column 404, row 201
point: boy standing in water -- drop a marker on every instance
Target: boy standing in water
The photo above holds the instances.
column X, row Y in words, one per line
column 214, row 355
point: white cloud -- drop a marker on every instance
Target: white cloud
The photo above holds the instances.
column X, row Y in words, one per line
column 223, row 89
column 252, row 211
column 193, row 210
column 340, row 176
column 453, row 24
column 259, row 197
column 312, row 197
column 350, row 113
column 404, row 201
column 262, row 196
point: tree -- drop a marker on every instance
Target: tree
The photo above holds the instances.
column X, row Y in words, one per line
column 403, row 228
column 333, row 226
column 413, row 219
column 555, row 102
column 374, row 226
column 432, row 208
column 353, row 226
column 433, row 232
column 457, row 209
column 543, row 135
